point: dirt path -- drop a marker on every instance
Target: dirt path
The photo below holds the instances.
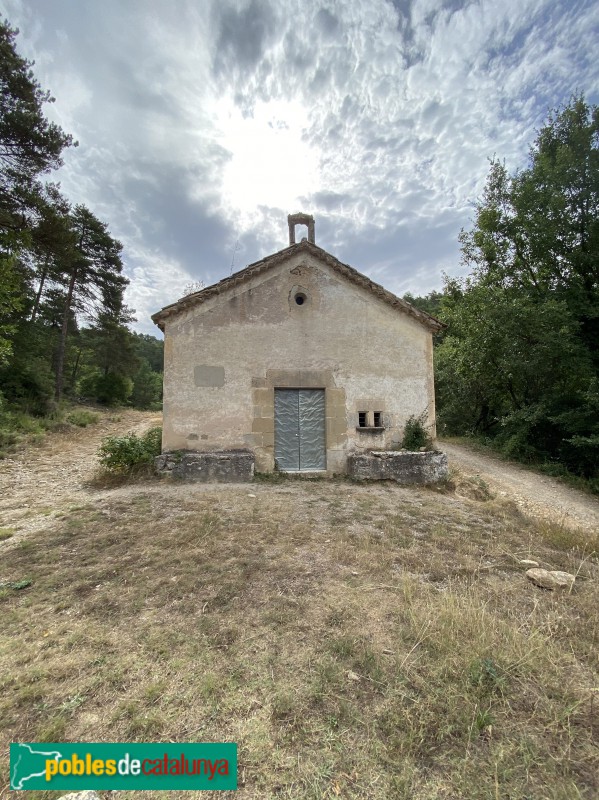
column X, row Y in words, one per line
column 537, row 495
column 40, row 482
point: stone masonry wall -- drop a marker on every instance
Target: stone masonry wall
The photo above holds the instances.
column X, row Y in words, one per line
column 225, row 357
column 229, row 466
column 404, row 468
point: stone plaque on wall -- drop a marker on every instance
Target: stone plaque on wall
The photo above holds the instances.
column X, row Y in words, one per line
column 205, row 375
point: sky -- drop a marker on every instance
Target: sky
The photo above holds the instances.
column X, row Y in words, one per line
column 203, row 123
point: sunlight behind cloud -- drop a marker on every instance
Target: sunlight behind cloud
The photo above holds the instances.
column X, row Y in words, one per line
column 271, row 164
column 200, row 131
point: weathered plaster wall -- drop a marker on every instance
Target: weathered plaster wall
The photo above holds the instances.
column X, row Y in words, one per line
column 224, row 358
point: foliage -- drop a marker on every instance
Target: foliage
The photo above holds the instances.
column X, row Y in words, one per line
column 94, row 284
column 15, row 426
column 17, row 585
column 431, row 303
column 519, row 362
column 147, row 387
column 29, row 144
column 121, row 377
column 63, row 320
column 149, row 348
column 112, row 389
column 27, row 382
column 122, row 455
column 415, row 434
column 82, row 418
column 29, row 147
column 11, row 302
column 193, row 287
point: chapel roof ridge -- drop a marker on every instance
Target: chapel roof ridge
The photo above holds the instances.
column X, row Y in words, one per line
column 270, row 261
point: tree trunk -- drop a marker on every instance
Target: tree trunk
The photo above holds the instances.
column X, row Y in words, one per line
column 63, row 336
column 76, row 367
column 38, row 296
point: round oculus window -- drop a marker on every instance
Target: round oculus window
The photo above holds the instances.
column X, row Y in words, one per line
column 300, row 298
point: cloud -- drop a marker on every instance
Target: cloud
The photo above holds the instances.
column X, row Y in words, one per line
column 202, row 125
column 243, row 34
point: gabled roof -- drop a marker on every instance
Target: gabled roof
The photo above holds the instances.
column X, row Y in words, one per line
column 265, row 264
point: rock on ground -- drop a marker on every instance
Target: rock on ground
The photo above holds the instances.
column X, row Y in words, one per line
column 89, row 795
column 554, row 579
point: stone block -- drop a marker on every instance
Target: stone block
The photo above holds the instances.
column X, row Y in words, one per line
column 405, row 468
column 265, row 461
column 372, row 403
column 300, row 378
column 283, row 378
column 336, row 396
column 313, row 379
column 263, row 397
column 217, row 466
column 263, row 425
column 335, row 426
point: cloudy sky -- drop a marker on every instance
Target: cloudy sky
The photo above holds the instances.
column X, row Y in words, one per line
column 203, row 123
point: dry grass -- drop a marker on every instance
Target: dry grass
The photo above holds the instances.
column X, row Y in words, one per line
column 205, row 614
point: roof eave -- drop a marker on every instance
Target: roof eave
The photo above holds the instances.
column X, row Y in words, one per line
column 268, row 262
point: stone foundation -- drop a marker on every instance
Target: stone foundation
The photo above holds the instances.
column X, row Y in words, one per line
column 217, row 466
column 405, row 468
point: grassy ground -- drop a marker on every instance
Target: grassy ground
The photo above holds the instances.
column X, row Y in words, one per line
column 18, row 428
column 355, row 641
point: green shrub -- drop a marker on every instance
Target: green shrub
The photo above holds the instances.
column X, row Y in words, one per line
column 28, row 386
column 113, row 389
column 109, row 389
column 16, row 426
column 125, row 455
column 415, row 434
column 147, row 388
column 83, row 418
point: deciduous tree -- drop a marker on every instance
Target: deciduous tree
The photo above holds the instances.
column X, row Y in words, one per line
column 521, row 357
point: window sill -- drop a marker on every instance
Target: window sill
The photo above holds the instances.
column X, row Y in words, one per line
column 371, row 429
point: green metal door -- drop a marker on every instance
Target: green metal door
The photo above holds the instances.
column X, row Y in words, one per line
column 300, row 429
